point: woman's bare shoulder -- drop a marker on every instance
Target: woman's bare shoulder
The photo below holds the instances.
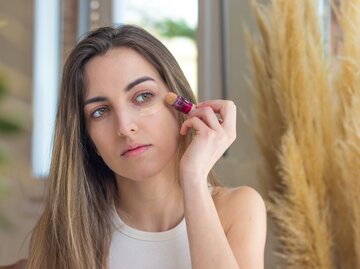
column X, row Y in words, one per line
column 238, row 196
column 232, row 203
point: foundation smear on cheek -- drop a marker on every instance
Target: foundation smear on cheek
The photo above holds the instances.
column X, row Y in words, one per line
column 155, row 106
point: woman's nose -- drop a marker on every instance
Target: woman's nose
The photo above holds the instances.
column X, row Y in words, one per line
column 126, row 123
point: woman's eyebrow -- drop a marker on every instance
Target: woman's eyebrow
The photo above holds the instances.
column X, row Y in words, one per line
column 127, row 88
column 95, row 100
column 137, row 81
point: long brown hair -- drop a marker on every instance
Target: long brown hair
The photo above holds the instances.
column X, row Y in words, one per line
column 74, row 231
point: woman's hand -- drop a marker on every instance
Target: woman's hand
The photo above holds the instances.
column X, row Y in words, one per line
column 212, row 137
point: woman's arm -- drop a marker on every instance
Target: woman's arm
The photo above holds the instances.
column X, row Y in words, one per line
column 245, row 214
column 241, row 245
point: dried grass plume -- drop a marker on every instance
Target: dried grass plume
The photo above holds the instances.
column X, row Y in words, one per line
column 308, row 130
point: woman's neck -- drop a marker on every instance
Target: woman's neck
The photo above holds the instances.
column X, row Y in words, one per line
column 154, row 204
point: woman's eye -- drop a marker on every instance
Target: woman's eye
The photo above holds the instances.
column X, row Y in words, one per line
column 144, row 97
column 99, row 112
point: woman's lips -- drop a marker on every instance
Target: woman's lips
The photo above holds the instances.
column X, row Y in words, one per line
column 135, row 151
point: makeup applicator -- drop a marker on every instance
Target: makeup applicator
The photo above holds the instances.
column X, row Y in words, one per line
column 179, row 103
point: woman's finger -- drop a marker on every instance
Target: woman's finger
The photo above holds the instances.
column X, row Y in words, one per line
column 197, row 124
column 207, row 115
column 226, row 109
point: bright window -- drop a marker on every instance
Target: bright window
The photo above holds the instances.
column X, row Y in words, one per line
column 174, row 24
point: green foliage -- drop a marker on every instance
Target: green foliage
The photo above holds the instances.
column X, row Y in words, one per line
column 5, row 224
column 3, row 189
column 2, row 88
column 3, row 159
column 7, row 126
column 171, row 28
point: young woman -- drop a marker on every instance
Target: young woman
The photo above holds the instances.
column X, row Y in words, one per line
column 130, row 183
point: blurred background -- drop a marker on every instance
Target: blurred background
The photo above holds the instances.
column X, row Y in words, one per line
column 205, row 36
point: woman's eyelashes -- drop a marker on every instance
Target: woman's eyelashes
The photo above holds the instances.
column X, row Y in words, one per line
column 99, row 112
column 144, row 97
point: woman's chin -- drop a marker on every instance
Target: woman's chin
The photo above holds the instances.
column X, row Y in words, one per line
column 140, row 175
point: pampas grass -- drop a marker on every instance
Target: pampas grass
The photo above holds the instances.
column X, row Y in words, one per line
column 298, row 132
column 270, row 121
column 308, row 130
column 347, row 86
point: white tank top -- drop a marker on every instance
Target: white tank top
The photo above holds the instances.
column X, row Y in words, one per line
column 134, row 249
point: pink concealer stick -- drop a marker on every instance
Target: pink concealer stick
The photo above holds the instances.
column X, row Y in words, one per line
column 179, row 103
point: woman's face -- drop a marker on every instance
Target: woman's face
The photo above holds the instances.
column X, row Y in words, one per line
column 133, row 130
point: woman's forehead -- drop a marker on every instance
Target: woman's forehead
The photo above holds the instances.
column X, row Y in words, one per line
column 118, row 66
column 121, row 63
